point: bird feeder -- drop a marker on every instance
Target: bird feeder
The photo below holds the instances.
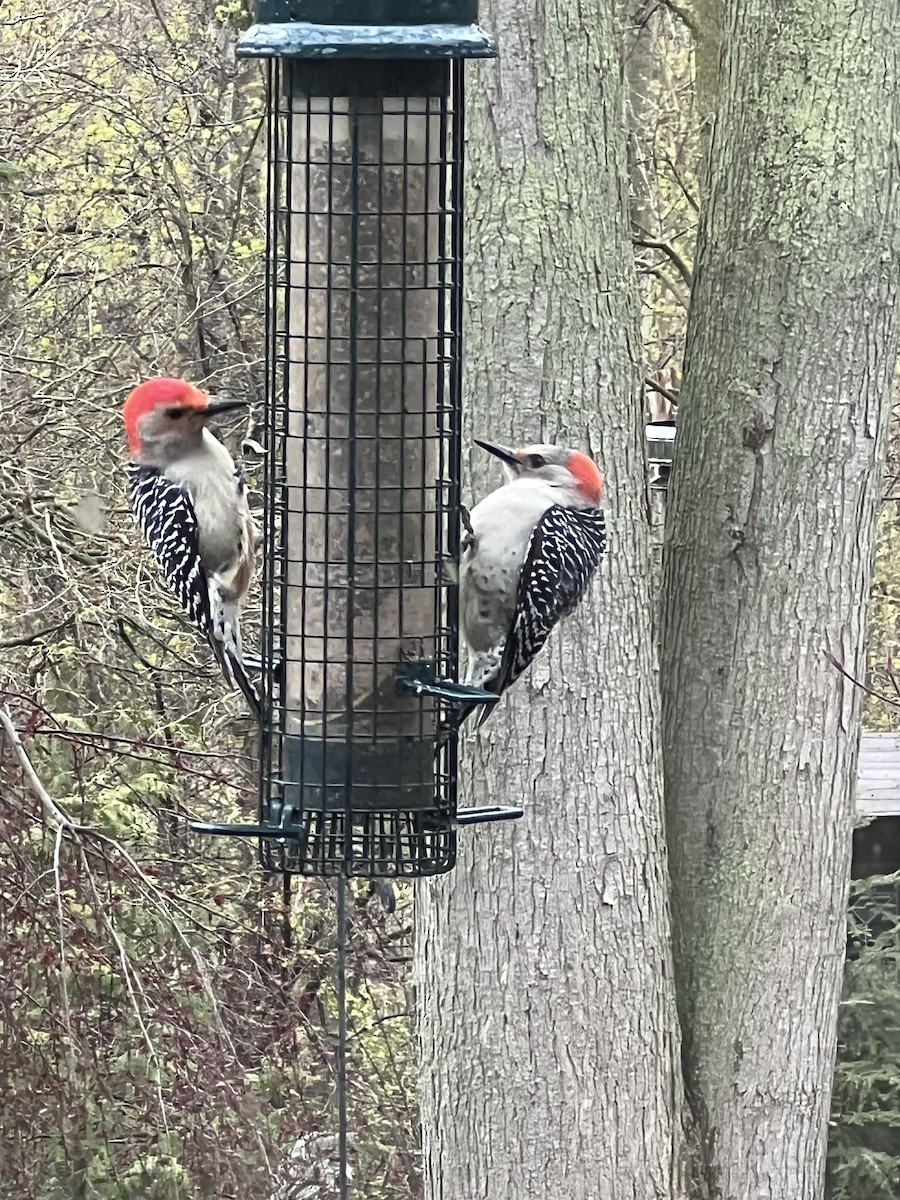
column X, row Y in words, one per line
column 362, row 427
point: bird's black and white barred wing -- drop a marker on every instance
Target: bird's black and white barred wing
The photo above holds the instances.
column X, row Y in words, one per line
column 562, row 555
column 169, row 524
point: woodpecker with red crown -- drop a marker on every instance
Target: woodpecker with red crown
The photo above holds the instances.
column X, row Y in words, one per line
column 530, row 551
column 189, row 498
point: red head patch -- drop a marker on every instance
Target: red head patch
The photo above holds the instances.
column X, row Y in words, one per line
column 154, row 393
column 588, row 475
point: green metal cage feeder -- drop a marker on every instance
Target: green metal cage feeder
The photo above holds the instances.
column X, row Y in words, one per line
column 362, row 425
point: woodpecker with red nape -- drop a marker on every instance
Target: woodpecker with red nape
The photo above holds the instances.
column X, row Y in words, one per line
column 189, row 498
column 530, row 550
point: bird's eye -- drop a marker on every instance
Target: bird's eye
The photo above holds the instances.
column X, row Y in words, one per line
column 536, row 460
column 175, row 414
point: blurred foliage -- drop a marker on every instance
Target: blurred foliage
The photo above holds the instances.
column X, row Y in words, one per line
column 864, row 1148
column 163, row 1031
column 160, row 1034
column 884, row 620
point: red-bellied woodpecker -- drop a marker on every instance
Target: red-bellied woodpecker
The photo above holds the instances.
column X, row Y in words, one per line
column 188, row 497
column 528, row 556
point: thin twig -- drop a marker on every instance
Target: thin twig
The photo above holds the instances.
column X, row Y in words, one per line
column 858, row 682
column 36, row 637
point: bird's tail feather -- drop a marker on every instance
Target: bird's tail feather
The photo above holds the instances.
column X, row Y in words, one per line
column 235, row 675
column 483, row 672
column 225, row 640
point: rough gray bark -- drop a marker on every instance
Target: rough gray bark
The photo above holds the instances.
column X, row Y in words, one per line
column 547, row 1021
column 791, row 346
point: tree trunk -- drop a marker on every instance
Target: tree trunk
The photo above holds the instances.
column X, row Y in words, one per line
column 547, row 1021
column 791, row 346
column 706, row 29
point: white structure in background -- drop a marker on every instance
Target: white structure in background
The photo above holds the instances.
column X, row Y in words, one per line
column 878, row 780
column 660, row 437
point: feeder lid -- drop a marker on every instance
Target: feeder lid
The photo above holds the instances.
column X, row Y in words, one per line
column 332, row 29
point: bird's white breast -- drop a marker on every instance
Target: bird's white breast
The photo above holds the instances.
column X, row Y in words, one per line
column 502, row 524
column 223, row 516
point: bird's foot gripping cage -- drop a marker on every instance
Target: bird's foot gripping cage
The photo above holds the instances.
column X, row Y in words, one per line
column 362, row 487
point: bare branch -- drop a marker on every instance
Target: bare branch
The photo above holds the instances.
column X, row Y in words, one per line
column 653, row 386
column 52, row 811
column 671, row 253
column 858, row 682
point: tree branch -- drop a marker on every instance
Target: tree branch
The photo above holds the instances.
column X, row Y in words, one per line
column 52, row 811
column 653, row 386
column 684, row 16
column 858, row 682
column 671, row 253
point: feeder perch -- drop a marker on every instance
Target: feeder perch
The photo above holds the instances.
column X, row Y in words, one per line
column 360, row 670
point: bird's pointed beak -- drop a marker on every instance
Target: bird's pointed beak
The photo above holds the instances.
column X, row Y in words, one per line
column 216, row 407
column 502, row 452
